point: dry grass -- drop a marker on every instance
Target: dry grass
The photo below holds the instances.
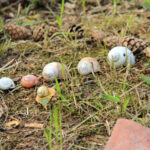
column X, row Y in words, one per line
column 87, row 118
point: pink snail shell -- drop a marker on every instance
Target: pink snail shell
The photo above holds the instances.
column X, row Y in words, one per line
column 29, row 81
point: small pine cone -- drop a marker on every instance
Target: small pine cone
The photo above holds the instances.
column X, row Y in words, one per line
column 39, row 31
column 52, row 30
column 77, row 31
column 17, row 32
column 98, row 35
column 111, row 41
column 105, row 38
column 134, row 44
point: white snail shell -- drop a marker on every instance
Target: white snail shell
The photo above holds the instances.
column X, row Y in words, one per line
column 6, row 83
column 54, row 69
column 88, row 65
column 121, row 56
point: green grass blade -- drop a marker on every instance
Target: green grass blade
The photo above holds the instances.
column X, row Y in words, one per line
column 50, row 132
column 62, row 8
column 145, row 78
column 126, row 102
column 83, row 5
column 60, row 127
column 111, row 98
column 58, row 89
column 56, row 122
column 59, row 21
column 147, row 2
column 46, row 134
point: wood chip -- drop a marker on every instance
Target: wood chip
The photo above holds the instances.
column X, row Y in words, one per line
column 34, row 125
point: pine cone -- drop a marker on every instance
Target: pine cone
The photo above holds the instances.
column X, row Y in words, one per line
column 134, row 44
column 111, row 41
column 77, row 31
column 98, row 35
column 39, row 31
column 52, row 30
column 105, row 38
column 17, row 32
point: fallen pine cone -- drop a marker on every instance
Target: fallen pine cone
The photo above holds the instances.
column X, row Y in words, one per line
column 39, row 31
column 134, row 44
column 76, row 31
column 98, row 35
column 111, row 41
column 17, row 32
column 105, row 38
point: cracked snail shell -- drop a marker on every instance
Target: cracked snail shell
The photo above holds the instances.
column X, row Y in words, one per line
column 88, row 65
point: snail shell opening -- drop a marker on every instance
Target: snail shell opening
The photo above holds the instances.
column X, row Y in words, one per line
column 114, row 57
column 121, row 56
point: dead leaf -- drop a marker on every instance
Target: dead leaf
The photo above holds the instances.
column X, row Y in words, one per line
column 31, row 19
column 45, row 100
column 12, row 124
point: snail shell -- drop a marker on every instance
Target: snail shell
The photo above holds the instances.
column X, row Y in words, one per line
column 121, row 56
column 88, row 65
column 55, row 69
column 29, row 81
column 6, row 83
column 42, row 91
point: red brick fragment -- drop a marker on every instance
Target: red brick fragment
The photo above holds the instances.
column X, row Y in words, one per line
column 129, row 135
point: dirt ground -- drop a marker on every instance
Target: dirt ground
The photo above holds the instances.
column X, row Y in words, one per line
column 85, row 118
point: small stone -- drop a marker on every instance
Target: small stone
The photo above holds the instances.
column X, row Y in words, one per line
column 129, row 135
